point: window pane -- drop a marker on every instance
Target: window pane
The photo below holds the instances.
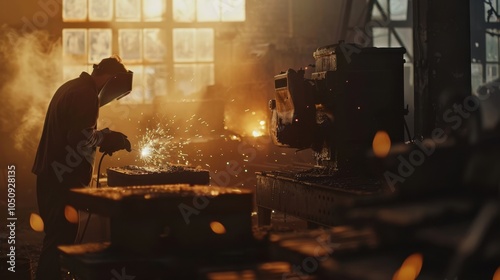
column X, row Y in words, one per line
column 184, row 79
column 204, row 44
column 154, row 49
column 75, row 44
column 205, row 75
column 100, row 10
column 184, row 10
column 193, row 44
column 192, row 79
column 99, row 44
column 153, row 10
column 487, row 8
column 476, row 75
column 184, row 45
column 380, row 37
column 232, row 10
column 399, row 9
column 406, row 35
column 491, row 48
column 208, row 10
column 128, row 10
column 130, row 42
column 491, row 72
column 376, row 14
column 74, row 10
column 155, row 82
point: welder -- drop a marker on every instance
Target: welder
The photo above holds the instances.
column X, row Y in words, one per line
column 67, row 147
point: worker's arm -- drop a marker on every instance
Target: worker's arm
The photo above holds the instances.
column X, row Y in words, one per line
column 83, row 112
column 87, row 137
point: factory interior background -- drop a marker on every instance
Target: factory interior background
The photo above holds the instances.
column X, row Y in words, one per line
column 196, row 75
column 204, row 75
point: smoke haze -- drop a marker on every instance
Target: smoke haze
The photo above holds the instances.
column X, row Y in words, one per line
column 31, row 64
column 31, row 72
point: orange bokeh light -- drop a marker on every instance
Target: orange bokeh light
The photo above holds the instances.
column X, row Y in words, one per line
column 381, row 144
column 71, row 214
column 217, row 227
column 36, row 222
column 410, row 269
column 496, row 276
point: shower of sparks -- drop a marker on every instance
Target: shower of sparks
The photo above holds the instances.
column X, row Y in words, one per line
column 164, row 144
column 154, row 146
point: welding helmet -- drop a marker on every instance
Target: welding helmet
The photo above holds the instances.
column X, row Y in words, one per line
column 116, row 87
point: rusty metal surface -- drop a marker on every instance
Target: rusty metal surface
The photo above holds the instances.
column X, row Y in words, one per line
column 159, row 199
column 329, row 178
column 152, row 219
column 131, row 175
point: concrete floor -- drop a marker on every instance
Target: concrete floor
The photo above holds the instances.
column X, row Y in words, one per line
column 27, row 244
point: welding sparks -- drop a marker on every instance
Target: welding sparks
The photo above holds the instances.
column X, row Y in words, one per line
column 154, row 146
column 259, row 131
column 145, row 152
column 165, row 144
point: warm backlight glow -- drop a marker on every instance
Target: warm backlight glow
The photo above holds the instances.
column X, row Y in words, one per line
column 217, row 227
column 71, row 214
column 496, row 276
column 381, row 144
column 410, row 269
column 153, row 9
column 36, row 222
column 257, row 133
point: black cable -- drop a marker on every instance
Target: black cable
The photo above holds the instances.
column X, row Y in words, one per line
column 407, row 130
column 99, row 170
column 98, row 186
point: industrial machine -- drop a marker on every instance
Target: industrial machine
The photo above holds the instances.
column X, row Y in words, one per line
column 353, row 93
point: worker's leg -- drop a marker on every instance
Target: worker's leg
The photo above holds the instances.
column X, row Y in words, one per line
column 51, row 202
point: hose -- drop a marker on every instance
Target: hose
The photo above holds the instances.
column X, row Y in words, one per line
column 98, row 184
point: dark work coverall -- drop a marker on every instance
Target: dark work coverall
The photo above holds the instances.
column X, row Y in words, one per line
column 64, row 160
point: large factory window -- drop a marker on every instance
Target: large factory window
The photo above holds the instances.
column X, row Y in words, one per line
column 485, row 46
column 193, row 48
column 152, row 43
column 120, row 28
